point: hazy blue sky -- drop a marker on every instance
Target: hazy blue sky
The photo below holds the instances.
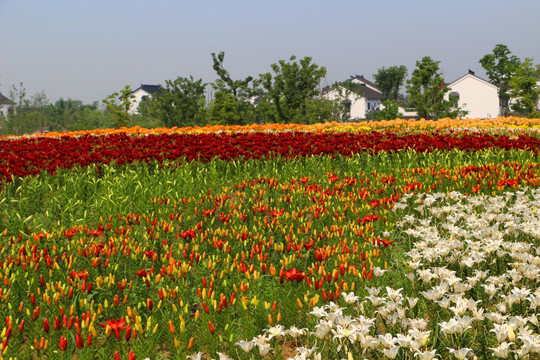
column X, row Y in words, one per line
column 89, row 49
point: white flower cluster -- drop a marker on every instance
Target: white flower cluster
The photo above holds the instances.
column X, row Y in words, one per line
column 473, row 266
column 478, row 257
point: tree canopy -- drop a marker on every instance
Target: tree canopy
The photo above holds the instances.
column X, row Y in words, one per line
column 525, row 89
column 426, row 90
column 500, row 67
column 180, row 103
column 389, row 80
column 291, row 85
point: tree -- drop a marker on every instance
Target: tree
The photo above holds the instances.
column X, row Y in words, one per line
column 120, row 111
column 426, row 90
column 227, row 110
column 233, row 99
column 63, row 113
column 525, row 89
column 389, row 112
column 240, row 89
column 31, row 115
column 500, row 67
column 390, row 81
column 293, row 84
column 180, row 103
column 39, row 105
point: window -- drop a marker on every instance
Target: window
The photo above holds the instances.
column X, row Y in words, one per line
column 454, row 94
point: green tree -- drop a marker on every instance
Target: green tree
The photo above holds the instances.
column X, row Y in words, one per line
column 426, row 91
column 63, row 114
column 89, row 117
column 525, row 89
column 291, row 86
column 228, row 110
column 240, row 89
column 232, row 102
column 120, row 111
column 39, row 104
column 321, row 110
column 390, row 111
column 390, row 80
column 180, row 103
column 500, row 67
column 31, row 114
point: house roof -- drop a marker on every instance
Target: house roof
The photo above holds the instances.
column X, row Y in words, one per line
column 148, row 88
column 5, row 100
column 470, row 73
column 364, row 80
column 369, row 93
column 359, row 89
column 365, row 91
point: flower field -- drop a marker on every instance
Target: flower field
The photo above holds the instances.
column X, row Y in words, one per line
column 398, row 240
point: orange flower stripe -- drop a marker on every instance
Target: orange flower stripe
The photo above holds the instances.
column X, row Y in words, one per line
column 495, row 123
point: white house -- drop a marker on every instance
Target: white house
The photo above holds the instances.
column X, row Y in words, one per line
column 475, row 95
column 6, row 106
column 361, row 96
column 142, row 92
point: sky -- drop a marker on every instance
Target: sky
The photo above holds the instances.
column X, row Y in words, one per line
column 87, row 50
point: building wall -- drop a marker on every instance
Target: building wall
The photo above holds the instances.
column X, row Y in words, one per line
column 476, row 96
column 139, row 94
column 359, row 105
column 358, row 108
column 5, row 109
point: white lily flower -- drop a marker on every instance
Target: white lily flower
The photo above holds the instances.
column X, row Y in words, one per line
column 460, row 354
column 295, row 332
column 224, row 357
column 275, row 331
column 322, row 329
column 426, row 355
column 391, row 353
column 197, row 356
column 501, row 350
column 350, row 297
column 246, row 346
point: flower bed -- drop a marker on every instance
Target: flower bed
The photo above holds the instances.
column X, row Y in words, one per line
column 326, row 246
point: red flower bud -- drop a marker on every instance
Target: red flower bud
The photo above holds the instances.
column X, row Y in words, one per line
column 57, row 325
column 63, row 343
column 78, row 341
column 128, row 333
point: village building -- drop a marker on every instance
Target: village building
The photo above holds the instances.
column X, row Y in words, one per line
column 475, row 95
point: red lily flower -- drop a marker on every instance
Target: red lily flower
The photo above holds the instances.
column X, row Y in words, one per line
column 81, row 275
column 116, row 326
column 293, row 275
column 144, row 273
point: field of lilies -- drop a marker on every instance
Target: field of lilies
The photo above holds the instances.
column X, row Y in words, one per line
column 378, row 240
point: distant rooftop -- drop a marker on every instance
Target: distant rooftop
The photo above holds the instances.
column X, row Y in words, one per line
column 5, row 100
column 149, row 88
column 364, row 80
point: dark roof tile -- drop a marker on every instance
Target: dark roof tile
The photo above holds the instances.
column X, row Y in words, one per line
column 5, row 100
